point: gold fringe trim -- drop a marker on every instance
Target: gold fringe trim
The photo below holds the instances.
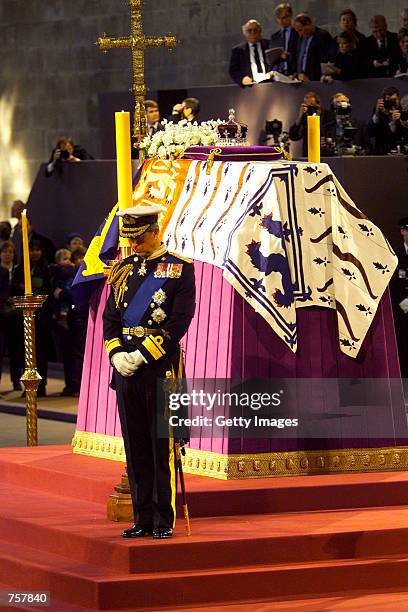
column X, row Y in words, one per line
column 118, row 277
column 259, row 465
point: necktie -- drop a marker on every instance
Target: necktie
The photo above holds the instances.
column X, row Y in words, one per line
column 257, row 58
column 285, row 46
column 285, row 41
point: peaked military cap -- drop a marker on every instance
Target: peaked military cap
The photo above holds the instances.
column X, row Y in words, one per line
column 403, row 223
column 138, row 219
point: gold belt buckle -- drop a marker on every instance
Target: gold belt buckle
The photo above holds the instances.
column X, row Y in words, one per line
column 139, row 331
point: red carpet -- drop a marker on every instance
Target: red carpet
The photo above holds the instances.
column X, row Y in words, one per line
column 299, row 542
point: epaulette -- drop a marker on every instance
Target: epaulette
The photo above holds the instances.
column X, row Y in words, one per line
column 186, row 259
column 118, row 276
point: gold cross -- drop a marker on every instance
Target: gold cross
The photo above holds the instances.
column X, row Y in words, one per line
column 137, row 42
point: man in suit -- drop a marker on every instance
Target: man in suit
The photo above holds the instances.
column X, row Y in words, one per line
column 287, row 38
column 153, row 117
column 314, row 47
column 248, row 64
column 399, row 291
column 148, row 312
column 379, row 47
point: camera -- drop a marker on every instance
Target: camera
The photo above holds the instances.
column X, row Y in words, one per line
column 389, row 104
column 64, row 155
column 345, row 131
column 273, row 130
column 312, row 109
column 342, row 109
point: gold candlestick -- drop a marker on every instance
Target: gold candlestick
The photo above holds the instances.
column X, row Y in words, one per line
column 29, row 303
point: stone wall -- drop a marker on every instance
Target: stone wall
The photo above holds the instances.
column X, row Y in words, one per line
column 54, row 72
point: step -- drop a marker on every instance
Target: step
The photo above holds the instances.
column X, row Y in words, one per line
column 90, row 586
column 58, row 471
column 358, row 601
column 80, row 531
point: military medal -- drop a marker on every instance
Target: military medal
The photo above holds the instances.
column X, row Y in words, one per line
column 142, row 271
column 168, row 270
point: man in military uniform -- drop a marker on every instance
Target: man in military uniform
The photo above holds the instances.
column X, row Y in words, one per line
column 149, row 310
column 400, row 298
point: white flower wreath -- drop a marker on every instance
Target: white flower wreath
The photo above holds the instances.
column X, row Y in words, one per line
column 171, row 142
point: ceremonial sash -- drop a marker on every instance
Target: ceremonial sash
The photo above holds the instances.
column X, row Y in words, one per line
column 143, row 296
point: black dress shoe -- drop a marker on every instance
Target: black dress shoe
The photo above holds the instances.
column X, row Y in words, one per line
column 160, row 533
column 137, row 531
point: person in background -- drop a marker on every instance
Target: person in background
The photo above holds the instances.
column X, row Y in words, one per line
column 77, row 325
column 11, row 316
column 399, row 126
column 379, row 47
column 41, row 285
column 335, row 131
column 62, row 275
column 75, row 241
column 287, row 38
column 248, row 62
column 65, row 151
column 4, row 297
column 188, row 109
column 153, row 117
column 399, row 57
column 311, row 105
column 379, row 125
column 348, row 23
column 313, row 48
column 348, row 63
column 5, row 231
column 7, row 257
column 404, row 21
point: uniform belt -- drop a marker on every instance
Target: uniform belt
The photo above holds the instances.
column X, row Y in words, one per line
column 139, row 331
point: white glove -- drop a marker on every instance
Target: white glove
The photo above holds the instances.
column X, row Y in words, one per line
column 404, row 305
column 123, row 363
column 137, row 358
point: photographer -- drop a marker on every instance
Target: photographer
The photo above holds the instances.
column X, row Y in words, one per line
column 65, row 151
column 349, row 135
column 379, row 125
column 311, row 105
column 399, row 126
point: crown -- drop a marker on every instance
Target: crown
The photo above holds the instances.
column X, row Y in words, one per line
column 232, row 132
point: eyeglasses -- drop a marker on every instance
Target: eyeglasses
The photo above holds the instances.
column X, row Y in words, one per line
column 252, row 30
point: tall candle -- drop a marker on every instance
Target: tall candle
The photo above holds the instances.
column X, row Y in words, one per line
column 26, row 253
column 123, row 159
column 313, row 138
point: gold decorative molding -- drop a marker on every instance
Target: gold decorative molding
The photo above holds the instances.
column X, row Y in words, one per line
column 99, row 445
column 295, row 463
column 259, row 465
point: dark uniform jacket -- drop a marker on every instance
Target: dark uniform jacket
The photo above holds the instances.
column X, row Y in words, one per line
column 165, row 298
